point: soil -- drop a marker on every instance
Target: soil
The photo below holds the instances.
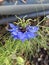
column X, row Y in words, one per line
column 41, row 59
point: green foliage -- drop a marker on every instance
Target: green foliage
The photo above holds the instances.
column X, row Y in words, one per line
column 20, row 61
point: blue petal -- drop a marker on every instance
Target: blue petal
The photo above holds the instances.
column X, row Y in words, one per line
column 32, row 28
column 12, row 25
column 31, row 35
column 22, row 36
column 11, row 30
column 15, row 37
column 14, row 33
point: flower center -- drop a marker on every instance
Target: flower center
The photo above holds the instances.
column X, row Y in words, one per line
column 22, row 29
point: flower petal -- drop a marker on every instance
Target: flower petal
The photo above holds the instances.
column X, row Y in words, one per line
column 15, row 37
column 32, row 28
column 14, row 28
column 12, row 25
column 14, row 33
column 31, row 35
column 22, row 36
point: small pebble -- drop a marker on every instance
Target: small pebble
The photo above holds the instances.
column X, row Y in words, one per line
column 39, row 59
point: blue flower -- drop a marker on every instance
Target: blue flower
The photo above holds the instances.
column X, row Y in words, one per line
column 30, row 32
